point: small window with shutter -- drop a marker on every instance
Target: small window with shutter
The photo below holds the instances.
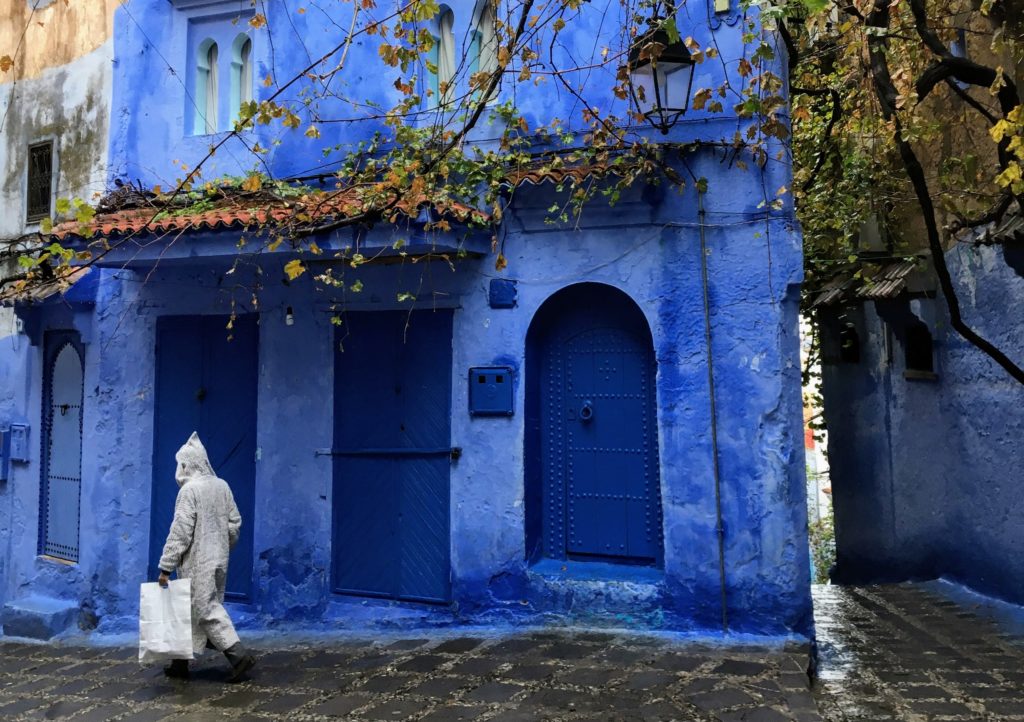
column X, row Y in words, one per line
column 40, row 182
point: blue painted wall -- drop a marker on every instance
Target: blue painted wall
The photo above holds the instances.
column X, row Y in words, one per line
column 924, row 473
column 648, row 246
column 154, row 65
column 649, row 251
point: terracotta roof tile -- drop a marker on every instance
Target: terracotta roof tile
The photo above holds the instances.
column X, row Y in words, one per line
column 242, row 211
column 239, row 213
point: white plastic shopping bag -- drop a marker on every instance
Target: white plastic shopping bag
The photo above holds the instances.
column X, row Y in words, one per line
column 165, row 621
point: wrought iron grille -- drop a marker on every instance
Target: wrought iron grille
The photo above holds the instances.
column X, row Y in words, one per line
column 40, row 181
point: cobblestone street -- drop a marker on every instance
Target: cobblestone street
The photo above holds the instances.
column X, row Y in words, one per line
column 903, row 652
column 887, row 653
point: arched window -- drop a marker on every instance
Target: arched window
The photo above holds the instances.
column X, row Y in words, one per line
column 483, row 48
column 62, row 445
column 241, row 74
column 442, row 58
column 207, row 88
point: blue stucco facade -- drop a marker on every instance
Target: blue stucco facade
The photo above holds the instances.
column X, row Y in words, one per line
column 923, row 467
column 642, row 256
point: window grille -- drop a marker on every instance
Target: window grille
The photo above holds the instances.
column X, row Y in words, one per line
column 40, row 181
column 62, row 446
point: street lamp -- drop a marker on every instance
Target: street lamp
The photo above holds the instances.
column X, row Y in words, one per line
column 661, row 77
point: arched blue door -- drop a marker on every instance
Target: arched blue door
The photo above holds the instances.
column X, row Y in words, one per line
column 591, row 415
column 206, row 382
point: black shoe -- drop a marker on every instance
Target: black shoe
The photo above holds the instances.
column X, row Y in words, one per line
column 177, row 669
column 241, row 661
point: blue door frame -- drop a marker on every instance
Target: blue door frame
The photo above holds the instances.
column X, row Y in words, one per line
column 392, row 455
column 593, row 485
column 207, row 382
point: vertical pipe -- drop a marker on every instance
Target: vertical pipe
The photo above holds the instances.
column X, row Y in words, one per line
column 719, row 528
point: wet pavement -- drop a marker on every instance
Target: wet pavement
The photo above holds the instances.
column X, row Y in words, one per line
column 907, row 652
column 887, row 653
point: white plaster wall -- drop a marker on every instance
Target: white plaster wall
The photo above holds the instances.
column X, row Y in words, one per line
column 70, row 105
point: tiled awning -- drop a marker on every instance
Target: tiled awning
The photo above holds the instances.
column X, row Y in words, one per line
column 250, row 211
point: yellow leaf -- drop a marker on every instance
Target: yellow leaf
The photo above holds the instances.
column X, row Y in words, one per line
column 294, row 269
column 253, row 183
column 1011, row 175
column 268, row 81
column 6, row 63
column 258, row 20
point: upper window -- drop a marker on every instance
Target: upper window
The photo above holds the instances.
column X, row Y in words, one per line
column 207, row 88
column 483, row 50
column 40, row 182
column 441, row 76
column 849, row 344
column 241, row 74
column 919, row 356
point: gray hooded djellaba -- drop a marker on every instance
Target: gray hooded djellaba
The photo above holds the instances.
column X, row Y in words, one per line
column 205, row 527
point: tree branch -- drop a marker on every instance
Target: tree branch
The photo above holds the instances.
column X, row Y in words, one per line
column 966, row 97
column 837, row 113
column 886, row 92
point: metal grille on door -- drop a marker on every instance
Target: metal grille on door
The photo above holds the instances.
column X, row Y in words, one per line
column 62, row 446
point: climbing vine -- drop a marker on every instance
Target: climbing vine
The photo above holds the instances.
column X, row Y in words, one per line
column 423, row 151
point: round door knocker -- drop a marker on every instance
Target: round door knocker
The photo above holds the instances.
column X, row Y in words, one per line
column 586, row 411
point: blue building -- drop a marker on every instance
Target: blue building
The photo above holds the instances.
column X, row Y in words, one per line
column 923, row 427
column 607, row 430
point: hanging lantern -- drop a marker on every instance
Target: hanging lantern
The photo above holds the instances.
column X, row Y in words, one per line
column 661, row 77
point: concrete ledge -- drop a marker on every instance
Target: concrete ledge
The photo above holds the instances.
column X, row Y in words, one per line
column 38, row 617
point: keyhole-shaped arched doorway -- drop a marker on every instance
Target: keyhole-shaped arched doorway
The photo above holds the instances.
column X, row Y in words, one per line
column 62, row 445
column 592, row 483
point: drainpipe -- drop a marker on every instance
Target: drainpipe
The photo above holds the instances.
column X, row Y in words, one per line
column 719, row 527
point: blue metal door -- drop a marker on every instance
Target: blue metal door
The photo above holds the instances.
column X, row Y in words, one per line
column 392, row 455
column 62, row 445
column 600, row 457
column 206, row 382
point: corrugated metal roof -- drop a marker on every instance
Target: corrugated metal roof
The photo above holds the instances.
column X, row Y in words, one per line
column 1009, row 229
column 871, row 280
column 77, row 285
column 889, row 281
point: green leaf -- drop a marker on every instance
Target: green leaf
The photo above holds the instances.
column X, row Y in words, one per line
column 673, row 32
column 815, row 6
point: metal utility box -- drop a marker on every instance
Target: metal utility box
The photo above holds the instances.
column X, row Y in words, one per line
column 491, row 391
column 19, row 442
column 502, row 293
column 5, row 454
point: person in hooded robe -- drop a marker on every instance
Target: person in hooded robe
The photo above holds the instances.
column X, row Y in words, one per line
column 206, row 525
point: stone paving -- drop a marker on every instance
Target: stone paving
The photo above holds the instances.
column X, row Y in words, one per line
column 904, row 652
column 886, row 653
column 534, row 676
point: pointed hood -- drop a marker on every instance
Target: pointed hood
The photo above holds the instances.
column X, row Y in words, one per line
column 193, row 461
